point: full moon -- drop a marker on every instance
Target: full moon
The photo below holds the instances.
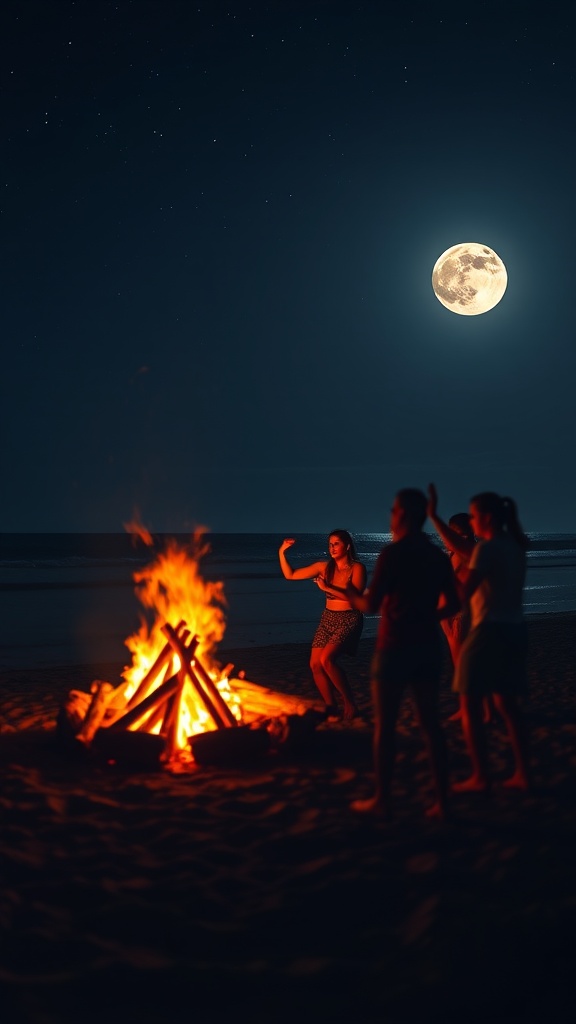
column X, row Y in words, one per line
column 469, row 278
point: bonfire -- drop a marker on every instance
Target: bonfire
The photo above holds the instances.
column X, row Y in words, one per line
column 175, row 691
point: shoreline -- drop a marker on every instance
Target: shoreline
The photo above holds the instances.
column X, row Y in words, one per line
column 127, row 895
column 255, row 652
column 12, row 658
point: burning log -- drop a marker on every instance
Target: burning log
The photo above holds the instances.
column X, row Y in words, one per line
column 259, row 702
column 186, row 656
column 102, row 694
column 203, row 684
column 171, row 720
column 162, row 705
column 75, row 710
column 162, row 661
column 156, row 720
column 153, row 700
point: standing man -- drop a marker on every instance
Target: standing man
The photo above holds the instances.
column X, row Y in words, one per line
column 410, row 576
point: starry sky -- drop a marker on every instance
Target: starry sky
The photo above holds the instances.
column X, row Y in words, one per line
column 219, row 227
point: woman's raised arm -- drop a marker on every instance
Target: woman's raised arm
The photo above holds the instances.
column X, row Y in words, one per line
column 453, row 540
column 305, row 572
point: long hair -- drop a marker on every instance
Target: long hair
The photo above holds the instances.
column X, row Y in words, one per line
column 346, row 539
column 505, row 514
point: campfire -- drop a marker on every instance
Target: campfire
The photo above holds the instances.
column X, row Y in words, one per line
column 175, row 693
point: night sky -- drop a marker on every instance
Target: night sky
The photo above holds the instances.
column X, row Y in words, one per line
column 219, row 228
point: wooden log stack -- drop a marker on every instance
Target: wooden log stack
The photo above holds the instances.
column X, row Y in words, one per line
column 143, row 730
column 156, row 703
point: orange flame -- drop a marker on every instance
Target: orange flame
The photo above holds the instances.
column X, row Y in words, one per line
column 172, row 589
column 138, row 530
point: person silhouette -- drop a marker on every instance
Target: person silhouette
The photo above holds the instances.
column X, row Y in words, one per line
column 410, row 577
column 493, row 656
column 458, row 538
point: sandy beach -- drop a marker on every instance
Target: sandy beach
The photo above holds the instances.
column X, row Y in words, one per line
column 255, row 892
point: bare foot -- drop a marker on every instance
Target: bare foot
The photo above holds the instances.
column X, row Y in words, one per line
column 518, row 781
column 350, row 712
column 372, row 806
column 475, row 784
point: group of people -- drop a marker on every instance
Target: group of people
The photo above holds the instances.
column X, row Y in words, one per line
column 474, row 591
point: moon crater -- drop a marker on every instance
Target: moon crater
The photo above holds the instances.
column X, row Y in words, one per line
column 469, row 278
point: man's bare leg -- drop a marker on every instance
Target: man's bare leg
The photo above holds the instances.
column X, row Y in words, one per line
column 510, row 711
column 386, row 700
column 426, row 698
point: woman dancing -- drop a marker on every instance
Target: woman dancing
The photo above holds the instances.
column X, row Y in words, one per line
column 340, row 626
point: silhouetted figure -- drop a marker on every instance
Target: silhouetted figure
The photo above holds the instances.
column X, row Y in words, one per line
column 410, row 577
column 458, row 538
column 340, row 625
column 493, row 656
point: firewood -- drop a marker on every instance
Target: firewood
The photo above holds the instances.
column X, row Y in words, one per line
column 188, row 662
column 186, row 656
column 215, row 693
column 76, row 708
column 153, row 700
column 154, row 671
column 259, row 700
column 102, row 694
column 171, row 719
column 154, row 721
column 202, row 682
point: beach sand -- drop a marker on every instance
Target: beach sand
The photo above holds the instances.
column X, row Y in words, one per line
column 257, row 893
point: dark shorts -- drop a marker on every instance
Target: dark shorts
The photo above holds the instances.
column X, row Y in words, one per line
column 493, row 660
column 406, row 665
column 341, row 628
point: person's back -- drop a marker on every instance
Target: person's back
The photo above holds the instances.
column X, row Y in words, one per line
column 501, row 563
column 408, row 579
column 493, row 656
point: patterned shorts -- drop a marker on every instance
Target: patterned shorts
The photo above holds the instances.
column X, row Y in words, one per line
column 342, row 628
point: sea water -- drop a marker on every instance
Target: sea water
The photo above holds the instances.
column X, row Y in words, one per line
column 70, row 598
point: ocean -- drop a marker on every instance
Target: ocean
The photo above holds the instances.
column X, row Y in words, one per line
column 70, row 598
